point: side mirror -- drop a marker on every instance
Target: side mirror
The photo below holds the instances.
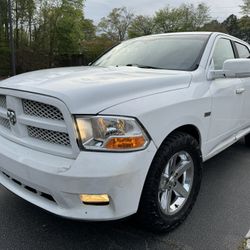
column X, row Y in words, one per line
column 232, row 68
column 237, row 67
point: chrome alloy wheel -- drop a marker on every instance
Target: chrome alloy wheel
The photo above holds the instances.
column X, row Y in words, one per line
column 176, row 183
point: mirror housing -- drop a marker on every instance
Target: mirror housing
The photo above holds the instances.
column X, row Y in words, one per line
column 232, row 68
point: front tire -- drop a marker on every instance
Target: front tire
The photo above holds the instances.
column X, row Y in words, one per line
column 172, row 184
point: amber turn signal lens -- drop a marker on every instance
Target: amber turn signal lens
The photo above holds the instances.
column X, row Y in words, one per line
column 95, row 199
column 126, row 143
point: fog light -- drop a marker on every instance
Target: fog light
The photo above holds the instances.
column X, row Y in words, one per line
column 95, row 199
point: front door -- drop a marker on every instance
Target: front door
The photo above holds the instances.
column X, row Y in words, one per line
column 227, row 98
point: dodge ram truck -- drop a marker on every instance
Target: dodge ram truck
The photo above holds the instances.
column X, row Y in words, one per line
column 127, row 134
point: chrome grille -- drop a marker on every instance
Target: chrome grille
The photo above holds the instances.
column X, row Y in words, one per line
column 49, row 136
column 5, row 123
column 42, row 110
column 42, row 123
column 3, row 101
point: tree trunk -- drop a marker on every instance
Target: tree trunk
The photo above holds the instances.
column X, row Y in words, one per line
column 17, row 26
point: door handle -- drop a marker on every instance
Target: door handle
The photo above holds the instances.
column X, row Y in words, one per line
column 240, row 91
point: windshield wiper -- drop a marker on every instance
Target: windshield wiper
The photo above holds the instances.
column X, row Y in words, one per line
column 142, row 66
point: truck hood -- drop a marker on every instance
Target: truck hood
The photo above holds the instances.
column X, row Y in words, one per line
column 90, row 90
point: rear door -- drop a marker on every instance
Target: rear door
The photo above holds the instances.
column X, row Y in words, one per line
column 244, row 52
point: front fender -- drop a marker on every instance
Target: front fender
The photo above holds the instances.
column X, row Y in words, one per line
column 163, row 113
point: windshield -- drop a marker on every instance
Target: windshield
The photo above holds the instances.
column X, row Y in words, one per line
column 172, row 52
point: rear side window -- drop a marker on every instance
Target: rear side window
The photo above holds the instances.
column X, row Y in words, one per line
column 243, row 50
column 223, row 51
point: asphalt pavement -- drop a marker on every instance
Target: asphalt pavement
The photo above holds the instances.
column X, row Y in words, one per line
column 219, row 220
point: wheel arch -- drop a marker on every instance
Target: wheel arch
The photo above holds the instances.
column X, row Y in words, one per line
column 189, row 129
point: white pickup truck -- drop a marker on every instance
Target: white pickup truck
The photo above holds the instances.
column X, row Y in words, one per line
column 127, row 134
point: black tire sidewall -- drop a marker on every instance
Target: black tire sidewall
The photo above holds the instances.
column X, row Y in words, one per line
column 176, row 143
column 195, row 186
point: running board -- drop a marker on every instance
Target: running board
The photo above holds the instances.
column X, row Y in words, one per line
column 227, row 143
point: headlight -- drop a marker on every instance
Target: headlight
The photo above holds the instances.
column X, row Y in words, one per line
column 111, row 133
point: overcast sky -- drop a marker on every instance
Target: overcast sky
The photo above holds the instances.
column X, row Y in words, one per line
column 96, row 9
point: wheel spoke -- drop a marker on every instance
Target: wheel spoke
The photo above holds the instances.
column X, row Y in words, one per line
column 166, row 200
column 172, row 164
column 169, row 196
column 180, row 190
column 174, row 160
column 166, row 172
column 163, row 200
column 163, row 183
column 183, row 167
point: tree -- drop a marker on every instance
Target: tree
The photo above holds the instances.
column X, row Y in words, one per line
column 187, row 17
column 95, row 47
column 89, row 29
column 23, row 15
column 214, row 26
column 141, row 26
column 60, row 28
column 3, row 21
column 116, row 24
column 4, row 40
column 69, row 29
column 45, row 31
column 231, row 25
column 201, row 15
column 244, row 31
column 245, row 8
column 168, row 20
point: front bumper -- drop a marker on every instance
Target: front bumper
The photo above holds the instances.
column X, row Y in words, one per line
column 54, row 183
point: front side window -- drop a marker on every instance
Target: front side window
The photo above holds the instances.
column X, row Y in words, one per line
column 223, row 51
column 172, row 52
column 243, row 51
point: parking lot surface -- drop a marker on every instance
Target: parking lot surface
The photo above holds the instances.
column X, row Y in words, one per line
column 220, row 218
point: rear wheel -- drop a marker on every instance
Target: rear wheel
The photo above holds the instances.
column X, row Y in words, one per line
column 172, row 183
